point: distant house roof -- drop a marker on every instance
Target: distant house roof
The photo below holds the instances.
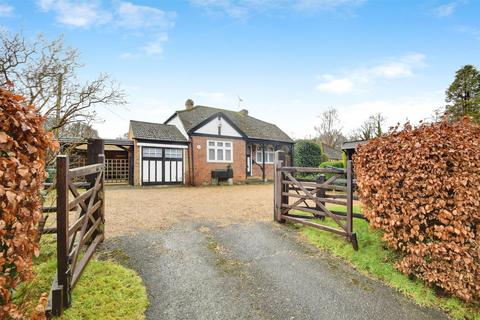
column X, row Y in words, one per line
column 331, row 152
column 351, row 145
column 156, row 131
column 250, row 127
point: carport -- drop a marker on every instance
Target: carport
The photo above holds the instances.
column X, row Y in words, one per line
column 118, row 156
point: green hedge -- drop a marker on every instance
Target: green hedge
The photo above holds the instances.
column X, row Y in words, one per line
column 307, row 154
column 336, row 164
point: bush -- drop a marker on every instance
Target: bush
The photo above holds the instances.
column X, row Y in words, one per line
column 23, row 145
column 422, row 188
column 307, row 154
column 336, row 164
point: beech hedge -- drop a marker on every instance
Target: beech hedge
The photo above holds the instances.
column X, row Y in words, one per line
column 421, row 186
column 23, row 147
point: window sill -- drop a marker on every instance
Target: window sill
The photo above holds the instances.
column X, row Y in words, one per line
column 215, row 161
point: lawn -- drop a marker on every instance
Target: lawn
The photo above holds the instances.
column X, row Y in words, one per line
column 106, row 290
column 376, row 260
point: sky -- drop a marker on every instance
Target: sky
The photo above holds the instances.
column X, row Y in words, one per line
column 284, row 61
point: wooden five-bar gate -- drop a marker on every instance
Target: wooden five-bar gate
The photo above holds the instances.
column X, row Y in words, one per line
column 77, row 239
column 302, row 201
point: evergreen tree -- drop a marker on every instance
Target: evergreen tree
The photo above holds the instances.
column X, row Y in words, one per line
column 463, row 95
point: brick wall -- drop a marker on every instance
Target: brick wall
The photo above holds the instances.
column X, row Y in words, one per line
column 257, row 171
column 136, row 163
column 203, row 168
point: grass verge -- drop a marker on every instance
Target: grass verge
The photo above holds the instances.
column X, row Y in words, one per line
column 106, row 290
column 376, row 260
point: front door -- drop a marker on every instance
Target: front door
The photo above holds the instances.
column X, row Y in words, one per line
column 162, row 165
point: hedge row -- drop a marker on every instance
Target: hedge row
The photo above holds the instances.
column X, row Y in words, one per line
column 421, row 186
column 23, row 146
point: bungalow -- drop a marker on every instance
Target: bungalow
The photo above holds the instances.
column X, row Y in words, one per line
column 195, row 141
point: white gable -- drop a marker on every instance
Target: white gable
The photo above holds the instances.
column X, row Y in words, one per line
column 178, row 123
column 212, row 128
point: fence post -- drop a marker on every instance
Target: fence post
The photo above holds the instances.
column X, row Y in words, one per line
column 278, row 186
column 63, row 278
column 320, row 194
column 101, row 194
column 351, row 234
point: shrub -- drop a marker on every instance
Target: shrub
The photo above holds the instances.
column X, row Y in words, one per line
column 23, row 145
column 335, row 163
column 421, row 186
column 307, row 154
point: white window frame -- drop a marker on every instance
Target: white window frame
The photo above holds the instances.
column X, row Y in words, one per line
column 216, row 148
column 259, row 154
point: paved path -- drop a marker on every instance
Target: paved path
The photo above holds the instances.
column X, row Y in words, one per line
column 256, row 270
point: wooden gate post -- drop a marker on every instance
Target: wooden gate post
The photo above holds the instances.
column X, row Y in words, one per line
column 95, row 148
column 351, row 234
column 61, row 297
column 320, row 194
column 101, row 193
column 278, row 185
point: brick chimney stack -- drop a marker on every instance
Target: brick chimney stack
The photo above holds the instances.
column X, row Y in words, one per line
column 189, row 104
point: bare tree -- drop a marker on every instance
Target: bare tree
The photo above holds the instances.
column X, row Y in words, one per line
column 329, row 131
column 371, row 128
column 79, row 130
column 45, row 72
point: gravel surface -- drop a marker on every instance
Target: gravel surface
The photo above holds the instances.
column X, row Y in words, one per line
column 133, row 209
column 229, row 261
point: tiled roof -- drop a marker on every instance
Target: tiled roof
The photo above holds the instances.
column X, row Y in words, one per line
column 331, row 152
column 156, row 131
column 253, row 128
column 352, row 144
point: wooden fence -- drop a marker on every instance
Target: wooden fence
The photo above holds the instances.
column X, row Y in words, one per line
column 76, row 241
column 301, row 201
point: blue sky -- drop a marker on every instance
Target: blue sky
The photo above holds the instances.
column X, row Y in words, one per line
column 287, row 60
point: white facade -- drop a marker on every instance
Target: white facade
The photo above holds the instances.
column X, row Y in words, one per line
column 178, row 123
column 216, row 126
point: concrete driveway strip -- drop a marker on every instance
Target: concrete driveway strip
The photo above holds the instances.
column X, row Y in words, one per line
column 254, row 271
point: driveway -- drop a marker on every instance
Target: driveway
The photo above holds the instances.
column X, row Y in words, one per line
column 213, row 253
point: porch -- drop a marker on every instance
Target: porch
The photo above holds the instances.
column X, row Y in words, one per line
column 260, row 158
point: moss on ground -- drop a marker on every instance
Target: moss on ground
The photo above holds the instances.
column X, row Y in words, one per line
column 376, row 260
column 106, row 290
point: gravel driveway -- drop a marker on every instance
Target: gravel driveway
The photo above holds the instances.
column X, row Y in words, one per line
column 213, row 253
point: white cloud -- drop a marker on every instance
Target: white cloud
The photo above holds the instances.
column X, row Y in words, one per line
column 327, row 4
column 211, row 97
column 243, row 8
column 400, row 110
column 337, row 86
column 131, row 16
column 358, row 78
column 6, row 10
column 445, row 10
column 149, row 23
column 76, row 13
column 475, row 32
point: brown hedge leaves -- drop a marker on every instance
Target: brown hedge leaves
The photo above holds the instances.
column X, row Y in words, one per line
column 23, row 146
column 422, row 187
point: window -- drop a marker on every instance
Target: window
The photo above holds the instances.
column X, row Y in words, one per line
column 173, row 153
column 152, row 152
column 269, row 155
column 219, row 151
